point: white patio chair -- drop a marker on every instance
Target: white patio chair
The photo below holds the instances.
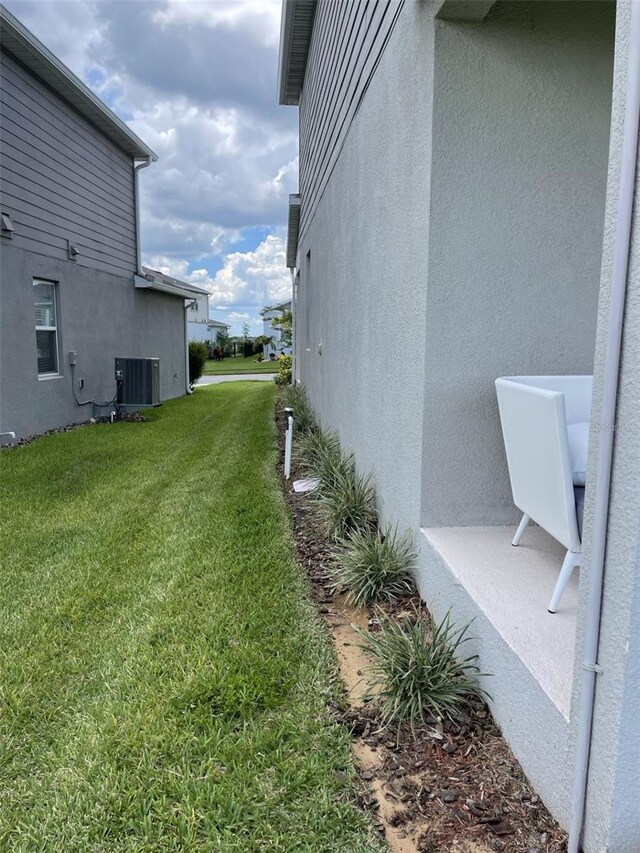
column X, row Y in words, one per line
column 545, row 424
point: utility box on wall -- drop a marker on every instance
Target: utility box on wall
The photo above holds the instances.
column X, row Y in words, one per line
column 139, row 381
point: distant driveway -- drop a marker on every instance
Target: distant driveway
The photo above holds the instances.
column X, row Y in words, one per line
column 236, row 377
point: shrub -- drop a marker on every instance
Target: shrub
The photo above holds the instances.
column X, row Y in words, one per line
column 198, row 354
column 345, row 499
column 283, row 376
column 374, row 566
column 416, row 671
column 304, row 417
column 316, row 448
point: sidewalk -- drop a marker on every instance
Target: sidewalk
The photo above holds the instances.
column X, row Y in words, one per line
column 235, row 377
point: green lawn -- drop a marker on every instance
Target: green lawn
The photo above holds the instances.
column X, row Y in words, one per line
column 164, row 677
column 238, row 364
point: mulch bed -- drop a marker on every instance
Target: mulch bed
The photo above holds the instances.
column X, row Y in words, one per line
column 452, row 787
column 134, row 417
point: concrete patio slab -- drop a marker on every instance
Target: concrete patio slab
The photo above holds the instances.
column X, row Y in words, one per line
column 512, row 586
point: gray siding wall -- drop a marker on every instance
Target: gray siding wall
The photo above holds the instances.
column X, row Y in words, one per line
column 346, row 45
column 101, row 316
column 62, row 179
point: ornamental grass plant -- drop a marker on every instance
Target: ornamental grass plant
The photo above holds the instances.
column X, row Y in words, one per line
column 295, row 397
column 374, row 566
column 418, row 673
column 345, row 499
column 316, row 447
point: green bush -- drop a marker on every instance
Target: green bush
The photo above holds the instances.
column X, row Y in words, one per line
column 198, row 354
column 344, row 498
column 304, row 417
column 316, row 448
column 283, row 376
column 417, row 673
column 374, row 566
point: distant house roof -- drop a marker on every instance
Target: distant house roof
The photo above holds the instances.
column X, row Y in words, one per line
column 156, row 280
column 281, row 306
column 218, row 324
column 17, row 40
column 295, row 37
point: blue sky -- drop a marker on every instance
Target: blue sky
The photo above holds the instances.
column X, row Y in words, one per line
column 196, row 80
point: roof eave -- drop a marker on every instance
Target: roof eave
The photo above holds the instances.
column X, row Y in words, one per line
column 293, row 226
column 144, row 283
column 296, row 26
column 149, row 274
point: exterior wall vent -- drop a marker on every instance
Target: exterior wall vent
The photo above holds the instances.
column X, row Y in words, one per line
column 139, row 381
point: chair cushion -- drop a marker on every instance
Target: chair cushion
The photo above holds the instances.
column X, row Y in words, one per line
column 578, row 435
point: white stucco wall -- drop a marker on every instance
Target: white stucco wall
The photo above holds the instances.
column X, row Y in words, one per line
column 613, row 796
column 368, row 245
column 488, row 266
column 520, row 145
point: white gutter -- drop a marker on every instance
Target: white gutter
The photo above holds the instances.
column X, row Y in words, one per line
column 611, row 368
column 136, row 196
column 144, row 282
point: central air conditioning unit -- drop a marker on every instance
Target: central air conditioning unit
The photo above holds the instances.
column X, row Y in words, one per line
column 138, row 381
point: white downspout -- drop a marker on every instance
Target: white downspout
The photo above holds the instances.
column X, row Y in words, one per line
column 605, row 446
column 293, row 325
column 187, row 304
column 136, row 196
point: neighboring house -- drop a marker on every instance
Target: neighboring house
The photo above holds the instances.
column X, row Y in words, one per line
column 217, row 330
column 237, row 343
column 461, row 165
column 73, row 295
column 198, row 315
column 200, row 327
column 269, row 314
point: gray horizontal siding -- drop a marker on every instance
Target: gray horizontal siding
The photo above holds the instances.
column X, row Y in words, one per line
column 346, row 45
column 62, row 179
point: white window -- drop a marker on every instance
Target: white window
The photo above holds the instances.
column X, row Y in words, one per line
column 44, row 293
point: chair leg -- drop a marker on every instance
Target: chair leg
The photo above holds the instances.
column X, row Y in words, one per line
column 524, row 521
column 570, row 562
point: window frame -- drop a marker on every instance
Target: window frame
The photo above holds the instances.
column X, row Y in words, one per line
column 51, row 374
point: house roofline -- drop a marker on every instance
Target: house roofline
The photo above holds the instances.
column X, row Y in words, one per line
column 293, row 229
column 155, row 280
column 280, row 306
column 16, row 39
column 296, row 25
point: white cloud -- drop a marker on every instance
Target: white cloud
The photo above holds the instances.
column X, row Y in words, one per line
column 256, row 278
column 261, row 16
column 247, row 279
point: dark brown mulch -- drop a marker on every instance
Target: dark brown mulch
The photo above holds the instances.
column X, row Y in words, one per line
column 134, row 417
column 454, row 786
